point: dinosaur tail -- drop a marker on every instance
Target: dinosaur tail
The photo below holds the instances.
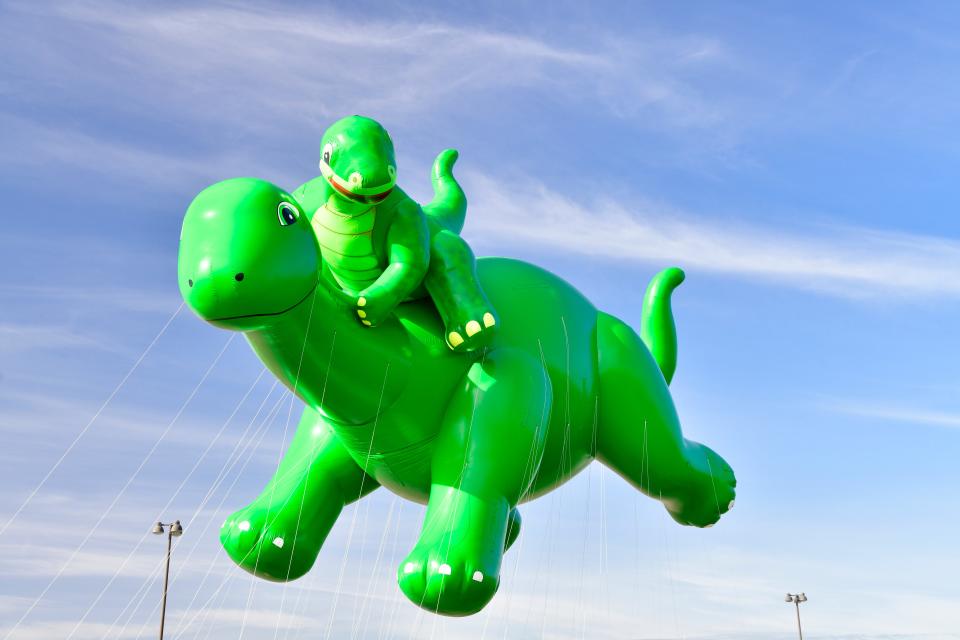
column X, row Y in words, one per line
column 657, row 329
column 449, row 204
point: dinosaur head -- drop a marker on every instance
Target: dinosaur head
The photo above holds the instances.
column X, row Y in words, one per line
column 247, row 253
column 356, row 158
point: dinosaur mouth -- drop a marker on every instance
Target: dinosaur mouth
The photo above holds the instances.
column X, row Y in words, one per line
column 270, row 314
column 371, row 199
column 353, row 191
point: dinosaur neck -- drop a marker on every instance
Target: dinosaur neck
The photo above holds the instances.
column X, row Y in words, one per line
column 346, row 207
column 333, row 363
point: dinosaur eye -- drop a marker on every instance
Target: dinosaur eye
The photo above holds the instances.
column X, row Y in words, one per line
column 327, row 152
column 287, row 213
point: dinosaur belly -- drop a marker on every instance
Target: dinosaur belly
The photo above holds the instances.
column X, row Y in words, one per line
column 346, row 244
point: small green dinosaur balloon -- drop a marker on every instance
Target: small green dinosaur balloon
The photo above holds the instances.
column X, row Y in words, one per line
column 381, row 247
column 472, row 435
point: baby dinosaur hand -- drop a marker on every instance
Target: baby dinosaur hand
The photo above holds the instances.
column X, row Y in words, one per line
column 372, row 309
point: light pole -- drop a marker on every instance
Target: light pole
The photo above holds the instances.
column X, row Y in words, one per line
column 797, row 598
column 174, row 530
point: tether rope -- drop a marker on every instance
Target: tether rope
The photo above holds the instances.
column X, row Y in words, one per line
column 262, row 430
column 89, row 424
column 529, row 473
column 273, row 487
column 140, row 594
column 323, row 396
column 373, row 584
column 243, row 444
column 458, row 497
column 232, row 460
column 306, row 480
column 386, row 623
column 122, row 491
column 163, row 510
column 376, row 565
column 353, row 519
column 581, row 605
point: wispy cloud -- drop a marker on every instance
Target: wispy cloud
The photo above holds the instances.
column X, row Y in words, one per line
column 259, row 67
column 31, row 145
column 123, row 299
column 25, row 337
column 907, row 415
column 841, row 260
column 85, row 631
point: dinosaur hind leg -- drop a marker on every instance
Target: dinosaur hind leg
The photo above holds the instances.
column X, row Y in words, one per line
column 468, row 317
column 639, row 436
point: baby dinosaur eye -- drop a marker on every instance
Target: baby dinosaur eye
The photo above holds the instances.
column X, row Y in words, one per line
column 287, row 213
column 327, row 152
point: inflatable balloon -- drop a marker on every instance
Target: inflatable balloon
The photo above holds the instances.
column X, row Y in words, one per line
column 470, row 433
column 382, row 247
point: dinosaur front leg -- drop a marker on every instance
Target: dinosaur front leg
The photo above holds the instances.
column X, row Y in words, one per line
column 468, row 317
column 488, row 451
column 278, row 536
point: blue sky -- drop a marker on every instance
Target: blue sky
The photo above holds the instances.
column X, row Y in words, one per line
column 798, row 160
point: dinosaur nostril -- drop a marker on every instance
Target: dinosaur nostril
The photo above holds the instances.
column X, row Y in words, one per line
column 238, row 277
column 189, row 283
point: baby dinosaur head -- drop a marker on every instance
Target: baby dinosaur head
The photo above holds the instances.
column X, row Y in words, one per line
column 247, row 253
column 356, row 158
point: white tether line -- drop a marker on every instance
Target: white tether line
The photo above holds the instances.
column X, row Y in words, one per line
column 262, row 430
column 163, row 510
column 353, row 519
column 232, row 460
column 123, row 490
column 89, row 424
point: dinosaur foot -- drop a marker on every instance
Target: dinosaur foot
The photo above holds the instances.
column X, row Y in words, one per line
column 708, row 494
column 278, row 545
column 473, row 333
column 456, row 572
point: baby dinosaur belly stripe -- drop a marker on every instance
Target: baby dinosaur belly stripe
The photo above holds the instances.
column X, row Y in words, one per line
column 346, row 244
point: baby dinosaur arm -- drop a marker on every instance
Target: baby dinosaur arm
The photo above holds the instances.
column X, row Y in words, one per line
column 408, row 250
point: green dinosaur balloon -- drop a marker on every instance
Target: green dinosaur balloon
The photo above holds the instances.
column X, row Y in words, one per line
column 472, row 434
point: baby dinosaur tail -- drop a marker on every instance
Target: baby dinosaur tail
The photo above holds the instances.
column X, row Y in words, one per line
column 449, row 204
column 657, row 329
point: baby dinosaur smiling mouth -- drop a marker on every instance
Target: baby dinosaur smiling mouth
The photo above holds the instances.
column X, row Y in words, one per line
column 353, row 188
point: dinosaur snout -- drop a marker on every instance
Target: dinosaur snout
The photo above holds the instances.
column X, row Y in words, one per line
column 213, row 294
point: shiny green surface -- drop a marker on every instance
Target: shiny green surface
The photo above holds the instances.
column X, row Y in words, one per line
column 471, row 435
column 381, row 247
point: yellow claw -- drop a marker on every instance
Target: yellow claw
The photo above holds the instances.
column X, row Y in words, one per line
column 361, row 302
column 455, row 339
column 473, row 328
column 361, row 313
column 366, row 322
column 489, row 320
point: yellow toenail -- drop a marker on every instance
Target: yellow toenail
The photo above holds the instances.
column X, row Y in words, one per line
column 362, row 302
column 473, row 327
column 361, row 313
column 455, row 339
column 366, row 322
column 489, row 320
